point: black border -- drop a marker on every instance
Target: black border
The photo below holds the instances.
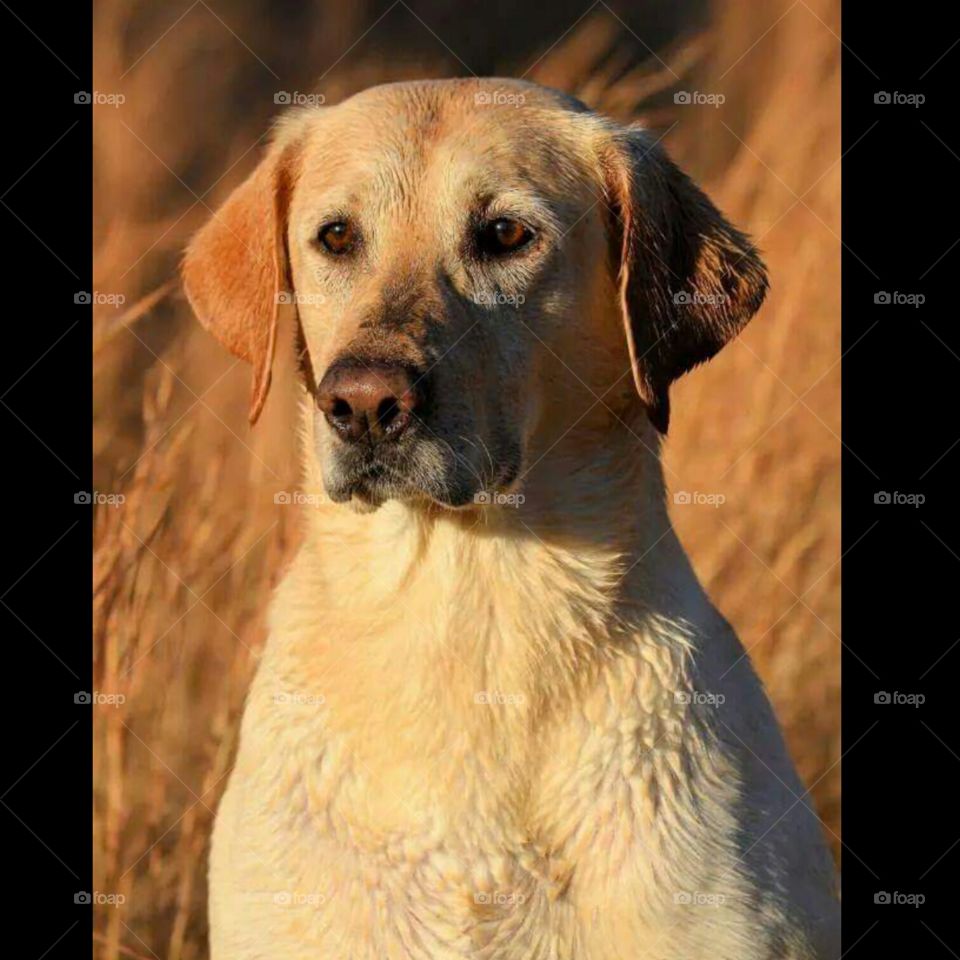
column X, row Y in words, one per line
column 46, row 205
column 901, row 560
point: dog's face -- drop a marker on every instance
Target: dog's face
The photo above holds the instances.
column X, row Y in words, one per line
column 450, row 246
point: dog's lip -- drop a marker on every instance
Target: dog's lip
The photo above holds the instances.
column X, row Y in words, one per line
column 375, row 470
column 372, row 480
column 376, row 492
column 375, row 484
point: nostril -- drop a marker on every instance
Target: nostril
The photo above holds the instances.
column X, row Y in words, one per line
column 340, row 409
column 387, row 411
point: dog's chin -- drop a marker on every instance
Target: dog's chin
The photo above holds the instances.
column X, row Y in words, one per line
column 368, row 491
column 364, row 495
column 364, row 484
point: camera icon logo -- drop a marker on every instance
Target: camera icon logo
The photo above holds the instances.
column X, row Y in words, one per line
column 82, row 97
column 882, row 697
column 882, row 297
column 83, row 298
column 282, row 898
column 682, row 297
column 82, row 897
column 83, row 497
column 285, row 296
column 882, row 496
column 882, row 97
column 82, row 697
column 682, row 96
column 483, row 497
column 282, row 97
column 282, row 497
column 882, row 897
column 681, row 496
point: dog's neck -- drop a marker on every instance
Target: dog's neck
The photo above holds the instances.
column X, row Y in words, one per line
column 405, row 620
column 584, row 542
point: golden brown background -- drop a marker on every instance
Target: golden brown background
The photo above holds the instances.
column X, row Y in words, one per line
column 185, row 566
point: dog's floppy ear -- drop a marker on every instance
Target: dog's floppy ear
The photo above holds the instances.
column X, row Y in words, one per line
column 688, row 280
column 236, row 265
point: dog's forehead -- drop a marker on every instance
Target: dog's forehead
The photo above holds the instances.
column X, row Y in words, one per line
column 499, row 131
column 436, row 106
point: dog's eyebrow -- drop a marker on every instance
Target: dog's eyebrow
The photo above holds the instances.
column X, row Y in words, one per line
column 522, row 202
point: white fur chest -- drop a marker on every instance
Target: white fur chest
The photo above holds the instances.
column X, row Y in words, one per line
column 453, row 778
column 554, row 849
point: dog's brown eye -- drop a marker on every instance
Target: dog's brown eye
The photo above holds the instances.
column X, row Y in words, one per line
column 504, row 235
column 338, row 238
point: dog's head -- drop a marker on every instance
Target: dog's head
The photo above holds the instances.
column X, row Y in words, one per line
column 459, row 253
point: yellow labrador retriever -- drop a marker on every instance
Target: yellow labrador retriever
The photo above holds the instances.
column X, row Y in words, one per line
column 496, row 717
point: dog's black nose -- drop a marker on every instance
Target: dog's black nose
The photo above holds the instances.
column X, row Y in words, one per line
column 362, row 399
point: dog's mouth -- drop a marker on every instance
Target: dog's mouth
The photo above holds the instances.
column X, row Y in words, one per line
column 372, row 485
column 371, row 477
column 422, row 471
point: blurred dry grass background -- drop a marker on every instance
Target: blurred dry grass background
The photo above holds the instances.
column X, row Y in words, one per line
column 184, row 568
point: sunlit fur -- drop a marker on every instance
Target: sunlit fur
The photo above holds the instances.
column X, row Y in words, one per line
column 511, row 731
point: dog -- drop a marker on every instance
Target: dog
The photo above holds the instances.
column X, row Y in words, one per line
column 496, row 717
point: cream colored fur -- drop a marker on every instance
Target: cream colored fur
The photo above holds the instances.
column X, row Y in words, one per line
column 513, row 733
